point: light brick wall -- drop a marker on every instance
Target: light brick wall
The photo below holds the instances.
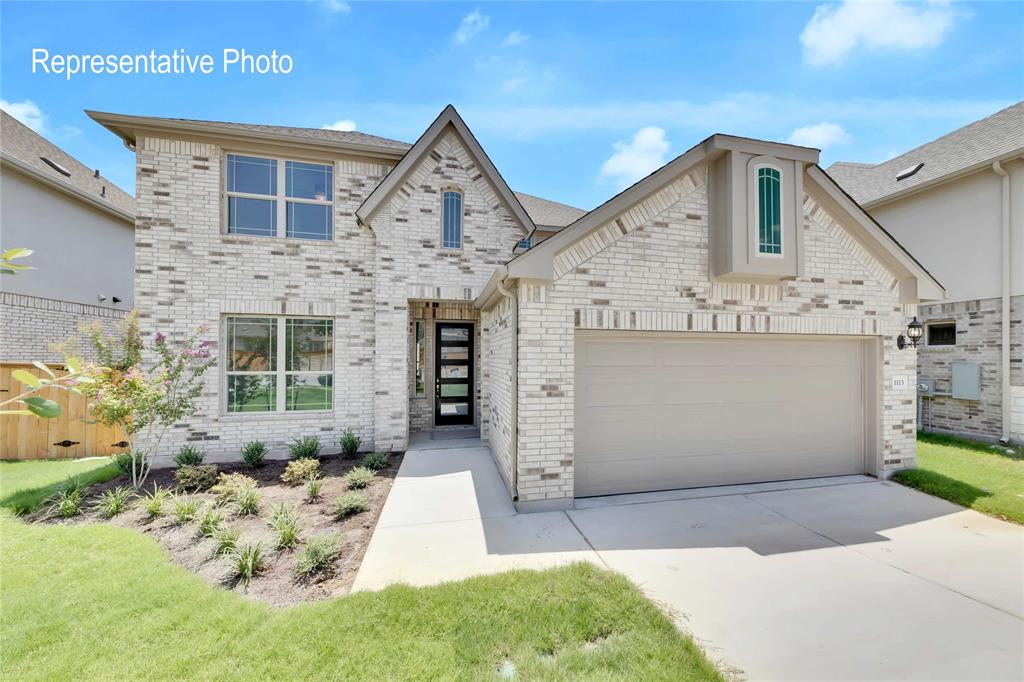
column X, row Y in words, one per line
column 978, row 340
column 497, row 348
column 648, row 270
column 30, row 326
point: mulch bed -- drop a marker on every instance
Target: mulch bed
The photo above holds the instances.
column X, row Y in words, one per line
column 277, row 584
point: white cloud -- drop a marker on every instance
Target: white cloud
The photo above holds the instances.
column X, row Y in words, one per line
column 514, row 38
column 836, row 30
column 471, row 24
column 820, row 135
column 336, row 6
column 345, row 124
column 27, row 112
column 634, row 159
column 513, row 84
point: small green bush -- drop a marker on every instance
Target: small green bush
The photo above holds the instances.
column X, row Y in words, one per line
column 300, row 471
column 285, row 522
column 153, row 503
column 185, row 509
column 247, row 502
column 211, row 521
column 254, row 452
column 313, row 490
column 227, row 540
column 230, row 485
column 375, row 461
column 123, row 460
column 317, row 556
column 195, row 476
column 350, row 444
column 189, row 455
column 358, row 478
column 305, row 448
column 114, row 501
column 350, row 504
column 67, row 500
column 248, row 561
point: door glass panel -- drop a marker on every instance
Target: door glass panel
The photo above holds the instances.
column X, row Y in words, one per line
column 454, row 372
column 454, row 390
column 453, row 409
column 454, row 353
column 454, row 334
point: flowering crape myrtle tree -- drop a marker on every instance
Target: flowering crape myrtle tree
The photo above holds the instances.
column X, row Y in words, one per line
column 145, row 401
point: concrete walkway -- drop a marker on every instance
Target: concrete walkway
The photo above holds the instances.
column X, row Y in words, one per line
column 845, row 578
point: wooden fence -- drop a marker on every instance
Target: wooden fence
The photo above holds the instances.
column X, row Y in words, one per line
column 67, row 436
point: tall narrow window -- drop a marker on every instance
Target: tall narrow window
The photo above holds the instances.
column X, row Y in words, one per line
column 769, row 211
column 421, row 359
column 451, row 237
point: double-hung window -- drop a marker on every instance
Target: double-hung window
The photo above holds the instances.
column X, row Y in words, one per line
column 279, row 364
column 451, row 229
column 279, row 198
column 769, row 211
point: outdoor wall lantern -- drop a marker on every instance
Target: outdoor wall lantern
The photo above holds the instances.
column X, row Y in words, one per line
column 914, row 331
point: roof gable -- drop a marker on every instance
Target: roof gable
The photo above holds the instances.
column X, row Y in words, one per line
column 449, row 119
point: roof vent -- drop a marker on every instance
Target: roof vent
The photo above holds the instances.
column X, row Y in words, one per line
column 56, row 166
column 908, row 171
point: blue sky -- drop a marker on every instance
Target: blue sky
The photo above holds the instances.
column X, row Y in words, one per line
column 572, row 101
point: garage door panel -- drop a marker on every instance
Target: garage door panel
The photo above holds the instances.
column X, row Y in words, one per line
column 715, row 412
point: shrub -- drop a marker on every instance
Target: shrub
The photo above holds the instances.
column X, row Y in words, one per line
column 227, row 539
column 230, row 485
column 185, row 509
column 153, row 503
column 300, row 471
column 123, row 460
column 313, row 490
column 350, row 444
column 375, row 461
column 358, row 478
column 285, row 522
column 196, row 476
column 211, row 521
column 247, row 502
column 350, row 504
column 248, row 560
column 305, row 448
column 189, row 455
column 253, row 453
column 114, row 501
column 319, row 554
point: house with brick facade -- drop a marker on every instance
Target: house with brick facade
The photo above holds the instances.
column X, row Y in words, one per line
column 730, row 318
column 958, row 204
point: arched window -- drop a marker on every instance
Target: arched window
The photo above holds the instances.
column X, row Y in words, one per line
column 451, row 228
column 769, row 210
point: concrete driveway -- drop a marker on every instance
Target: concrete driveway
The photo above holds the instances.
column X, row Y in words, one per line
column 846, row 578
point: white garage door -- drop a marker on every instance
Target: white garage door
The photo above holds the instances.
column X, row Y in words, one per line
column 656, row 411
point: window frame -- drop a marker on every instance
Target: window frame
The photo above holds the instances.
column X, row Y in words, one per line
column 281, row 198
column 462, row 209
column 756, row 181
column 280, row 371
column 939, row 323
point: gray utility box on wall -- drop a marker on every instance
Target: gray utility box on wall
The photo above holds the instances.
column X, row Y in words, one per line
column 967, row 380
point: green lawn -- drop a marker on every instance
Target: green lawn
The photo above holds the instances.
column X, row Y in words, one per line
column 970, row 473
column 24, row 485
column 101, row 602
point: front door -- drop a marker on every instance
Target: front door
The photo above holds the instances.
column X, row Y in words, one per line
column 453, row 374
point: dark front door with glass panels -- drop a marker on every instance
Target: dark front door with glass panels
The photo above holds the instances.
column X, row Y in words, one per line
column 453, row 374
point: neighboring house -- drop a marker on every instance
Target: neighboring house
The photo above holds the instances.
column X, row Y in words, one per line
column 80, row 227
column 958, row 204
column 730, row 318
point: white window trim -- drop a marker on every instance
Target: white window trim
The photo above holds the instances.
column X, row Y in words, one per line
column 931, row 323
column 757, row 211
column 462, row 214
column 281, row 197
column 280, row 373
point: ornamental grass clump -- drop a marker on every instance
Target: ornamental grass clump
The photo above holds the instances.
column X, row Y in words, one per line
column 226, row 539
column 350, row 503
column 247, row 502
column 67, row 500
column 248, row 561
column 185, row 509
column 114, row 501
column 153, row 503
column 317, row 556
column 358, row 478
column 211, row 521
column 284, row 520
column 313, row 490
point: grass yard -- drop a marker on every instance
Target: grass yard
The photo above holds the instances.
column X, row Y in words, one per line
column 25, row 484
column 970, row 473
column 101, row 602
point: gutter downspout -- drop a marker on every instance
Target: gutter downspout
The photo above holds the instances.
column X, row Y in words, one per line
column 514, row 444
column 997, row 168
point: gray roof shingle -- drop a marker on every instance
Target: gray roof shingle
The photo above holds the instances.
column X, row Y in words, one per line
column 997, row 136
column 348, row 136
column 547, row 213
column 31, row 148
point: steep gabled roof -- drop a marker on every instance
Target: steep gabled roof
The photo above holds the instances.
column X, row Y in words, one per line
column 549, row 214
column 25, row 150
column 448, row 117
column 965, row 150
